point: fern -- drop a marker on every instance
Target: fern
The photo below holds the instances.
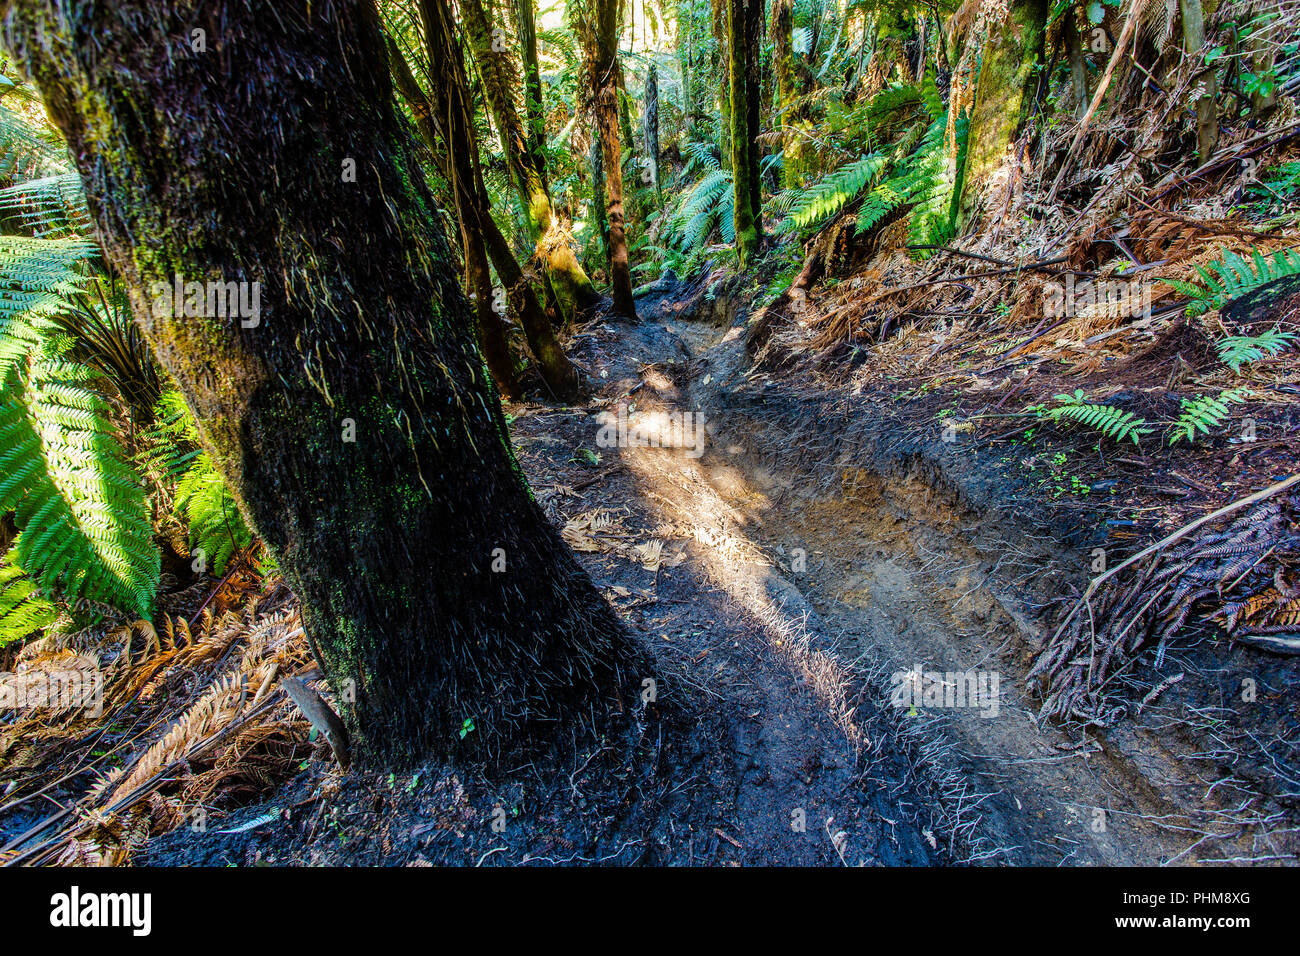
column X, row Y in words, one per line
column 38, row 278
column 216, row 528
column 1233, row 276
column 48, row 206
column 1112, row 422
column 710, row 203
column 1238, row 350
column 23, row 611
column 936, row 187
column 1205, row 412
column 76, row 499
column 902, row 188
column 833, row 192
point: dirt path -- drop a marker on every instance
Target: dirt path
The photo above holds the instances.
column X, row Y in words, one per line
column 787, row 581
column 895, row 574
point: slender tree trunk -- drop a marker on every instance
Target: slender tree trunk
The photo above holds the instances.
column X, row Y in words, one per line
column 744, row 27
column 596, row 159
column 787, row 91
column 650, row 129
column 598, row 25
column 534, row 112
column 720, row 33
column 527, row 166
column 490, row 328
column 450, row 112
column 232, row 165
column 1207, row 114
column 1078, row 70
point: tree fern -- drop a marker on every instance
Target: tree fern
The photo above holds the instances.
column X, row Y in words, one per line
column 833, row 192
column 1233, row 276
column 937, row 185
column 23, row 610
column 1205, row 412
column 702, row 155
column 1112, row 422
column 709, row 203
column 50, row 206
column 76, row 499
column 38, row 277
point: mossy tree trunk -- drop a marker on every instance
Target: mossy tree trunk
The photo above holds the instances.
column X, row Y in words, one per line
column 744, row 28
column 1009, row 66
column 787, row 91
column 597, row 23
column 232, row 165
column 1207, row 114
column 534, row 112
column 454, row 110
column 525, row 161
column 650, row 129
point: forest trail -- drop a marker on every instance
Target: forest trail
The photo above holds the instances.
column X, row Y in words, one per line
column 899, row 579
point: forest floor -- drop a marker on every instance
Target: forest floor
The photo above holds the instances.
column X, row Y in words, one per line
column 792, row 551
column 792, row 555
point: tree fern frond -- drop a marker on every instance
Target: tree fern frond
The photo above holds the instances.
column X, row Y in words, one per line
column 23, row 610
column 80, row 505
column 833, row 192
column 1233, row 276
column 1112, row 422
column 1238, row 350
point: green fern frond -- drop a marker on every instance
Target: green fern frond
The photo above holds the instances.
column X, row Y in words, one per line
column 1204, row 413
column 216, row 527
column 23, row 610
column 709, row 203
column 1233, row 276
column 49, row 205
column 79, row 504
column 38, row 277
column 217, row 530
column 1238, row 350
column 833, row 192
column 1112, row 422
column 700, row 154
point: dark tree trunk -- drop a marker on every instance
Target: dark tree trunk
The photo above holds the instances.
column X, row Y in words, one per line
column 455, row 114
column 744, row 28
column 650, row 129
column 527, row 165
column 488, row 324
column 599, row 27
column 225, row 166
column 597, row 162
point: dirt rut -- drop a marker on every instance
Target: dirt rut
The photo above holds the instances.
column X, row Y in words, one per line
column 912, row 587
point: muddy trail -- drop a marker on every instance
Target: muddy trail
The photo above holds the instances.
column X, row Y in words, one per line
column 911, row 570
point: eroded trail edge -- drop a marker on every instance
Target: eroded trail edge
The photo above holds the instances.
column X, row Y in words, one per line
column 859, row 562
